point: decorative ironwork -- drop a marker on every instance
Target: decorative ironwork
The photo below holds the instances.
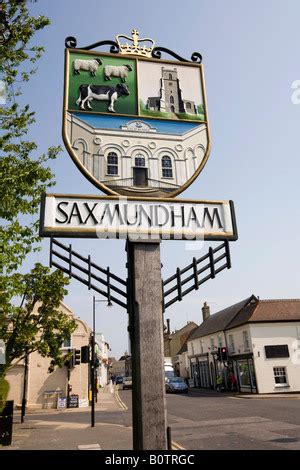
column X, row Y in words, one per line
column 135, row 48
column 71, row 43
column 117, row 290
column 84, row 270
column 197, row 273
column 195, row 57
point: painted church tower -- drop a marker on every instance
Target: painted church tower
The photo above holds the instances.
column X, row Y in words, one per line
column 171, row 97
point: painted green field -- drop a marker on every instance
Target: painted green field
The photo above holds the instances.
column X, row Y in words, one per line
column 124, row 104
column 161, row 114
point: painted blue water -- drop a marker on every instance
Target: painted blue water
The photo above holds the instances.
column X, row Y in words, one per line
column 115, row 122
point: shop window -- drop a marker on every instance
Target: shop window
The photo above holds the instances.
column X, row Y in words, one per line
column 231, row 344
column 112, row 163
column 246, row 340
column 277, row 351
column 280, row 375
column 166, row 164
column 140, row 161
column 67, row 343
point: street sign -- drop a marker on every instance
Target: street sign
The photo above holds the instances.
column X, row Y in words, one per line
column 133, row 123
column 136, row 219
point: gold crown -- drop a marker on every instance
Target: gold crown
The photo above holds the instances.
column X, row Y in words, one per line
column 136, row 48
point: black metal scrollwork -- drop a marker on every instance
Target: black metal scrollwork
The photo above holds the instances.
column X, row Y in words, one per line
column 156, row 54
column 71, row 43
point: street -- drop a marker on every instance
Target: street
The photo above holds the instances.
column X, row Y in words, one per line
column 198, row 421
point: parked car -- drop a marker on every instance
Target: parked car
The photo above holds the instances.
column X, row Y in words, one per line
column 176, row 385
column 127, row 382
column 119, row 379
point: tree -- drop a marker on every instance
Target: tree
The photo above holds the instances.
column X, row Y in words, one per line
column 35, row 324
column 24, row 176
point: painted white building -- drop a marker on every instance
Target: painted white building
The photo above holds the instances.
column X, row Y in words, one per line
column 261, row 341
column 102, row 352
column 138, row 154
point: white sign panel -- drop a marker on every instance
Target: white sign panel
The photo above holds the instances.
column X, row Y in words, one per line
column 136, row 219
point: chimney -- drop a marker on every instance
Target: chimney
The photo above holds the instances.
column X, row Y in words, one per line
column 205, row 311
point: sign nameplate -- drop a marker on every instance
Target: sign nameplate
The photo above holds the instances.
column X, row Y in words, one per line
column 115, row 217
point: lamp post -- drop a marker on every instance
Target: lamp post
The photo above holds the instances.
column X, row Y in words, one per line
column 109, row 304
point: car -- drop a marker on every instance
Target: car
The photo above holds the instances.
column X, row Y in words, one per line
column 127, row 382
column 119, row 379
column 176, row 385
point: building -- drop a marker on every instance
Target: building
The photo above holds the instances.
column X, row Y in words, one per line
column 152, row 156
column 173, row 343
column 120, row 367
column 261, row 340
column 170, row 99
column 44, row 388
column 102, row 350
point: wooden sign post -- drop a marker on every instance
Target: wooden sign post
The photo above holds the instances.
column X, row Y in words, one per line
column 136, row 125
column 146, row 334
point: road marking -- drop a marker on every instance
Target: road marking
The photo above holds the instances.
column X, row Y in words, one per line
column 89, row 447
column 119, row 401
column 176, row 446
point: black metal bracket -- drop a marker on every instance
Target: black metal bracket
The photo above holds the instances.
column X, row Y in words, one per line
column 198, row 272
column 94, row 277
column 84, row 270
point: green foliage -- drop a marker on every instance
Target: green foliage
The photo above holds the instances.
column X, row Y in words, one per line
column 24, row 175
column 37, row 324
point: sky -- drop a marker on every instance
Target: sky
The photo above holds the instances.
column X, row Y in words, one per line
column 251, row 60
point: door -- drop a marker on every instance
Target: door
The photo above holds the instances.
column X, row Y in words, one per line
column 140, row 177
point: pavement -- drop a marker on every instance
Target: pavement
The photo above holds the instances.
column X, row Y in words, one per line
column 65, row 428
column 214, row 393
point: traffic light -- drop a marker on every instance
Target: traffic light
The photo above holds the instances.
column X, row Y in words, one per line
column 85, row 354
column 77, row 354
column 222, row 354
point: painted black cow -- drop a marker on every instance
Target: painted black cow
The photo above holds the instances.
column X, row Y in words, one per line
column 88, row 93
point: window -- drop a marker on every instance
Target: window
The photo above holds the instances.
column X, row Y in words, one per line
column 220, row 341
column 67, row 343
column 170, row 76
column 193, row 350
column 171, row 99
column 170, row 83
column 212, row 343
column 280, row 375
column 201, row 346
column 140, row 161
column 246, row 340
column 231, row 344
column 274, row 352
column 112, row 163
column 188, row 106
column 166, row 164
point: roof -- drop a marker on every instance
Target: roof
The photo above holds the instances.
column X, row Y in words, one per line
column 249, row 310
column 184, row 346
column 220, row 320
column 269, row 310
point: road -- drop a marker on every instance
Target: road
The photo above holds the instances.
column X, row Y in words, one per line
column 198, row 421
column 215, row 421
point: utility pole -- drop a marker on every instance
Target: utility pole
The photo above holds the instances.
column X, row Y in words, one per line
column 93, row 368
column 24, row 398
column 146, row 333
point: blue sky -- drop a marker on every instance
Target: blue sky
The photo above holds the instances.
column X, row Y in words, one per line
column 251, row 58
column 115, row 122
